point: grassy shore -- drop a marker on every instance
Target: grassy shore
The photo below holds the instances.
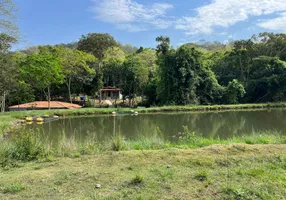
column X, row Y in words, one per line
column 7, row 119
column 190, row 167
column 217, row 172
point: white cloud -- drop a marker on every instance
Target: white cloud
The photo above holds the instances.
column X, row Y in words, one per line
column 131, row 27
column 225, row 13
column 130, row 15
column 276, row 24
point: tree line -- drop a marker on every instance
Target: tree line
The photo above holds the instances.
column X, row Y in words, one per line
column 243, row 71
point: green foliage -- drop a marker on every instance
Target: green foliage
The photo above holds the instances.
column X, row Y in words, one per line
column 22, row 147
column 96, row 44
column 13, row 188
column 8, row 66
column 233, row 92
column 138, row 179
column 205, row 73
column 75, row 65
column 113, row 67
column 27, row 146
column 185, row 80
column 5, row 42
column 267, row 80
column 41, row 70
column 128, row 48
column 202, row 175
column 164, row 45
column 135, row 77
column 21, row 93
column 118, row 143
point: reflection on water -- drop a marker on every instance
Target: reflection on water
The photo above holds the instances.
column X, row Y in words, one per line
column 209, row 124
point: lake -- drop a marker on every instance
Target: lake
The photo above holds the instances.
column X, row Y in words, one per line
column 208, row 124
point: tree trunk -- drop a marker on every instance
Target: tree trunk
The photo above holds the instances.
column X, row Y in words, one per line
column 49, row 98
column 3, row 102
column 69, row 89
column 241, row 69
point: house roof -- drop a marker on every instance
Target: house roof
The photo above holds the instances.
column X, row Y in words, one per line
column 110, row 89
column 45, row 105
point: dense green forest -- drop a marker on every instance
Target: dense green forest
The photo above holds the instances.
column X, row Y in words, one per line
column 243, row 71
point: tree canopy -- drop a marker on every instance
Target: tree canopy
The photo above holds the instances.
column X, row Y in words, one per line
column 243, row 71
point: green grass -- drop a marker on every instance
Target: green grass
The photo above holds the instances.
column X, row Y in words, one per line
column 189, row 108
column 7, row 119
column 255, row 172
column 247, row 167
column 13, row 188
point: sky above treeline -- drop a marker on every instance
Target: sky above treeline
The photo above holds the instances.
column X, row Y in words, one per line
column 139, row 22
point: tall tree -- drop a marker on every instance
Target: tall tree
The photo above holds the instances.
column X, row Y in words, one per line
column 164, row 44
column 8, row 35
column 135, row 77
column 113, row 67
column 271, row 44
column 128, row 48
column 42, row 70
column 97, row 44
column 75, row 64
column 8, row 68
column 8, row 16
column 233, row 92
column 267, row 80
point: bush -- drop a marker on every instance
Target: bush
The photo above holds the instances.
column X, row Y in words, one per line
column 14, row 188
column 118, row 143
column 138, row 179
column 26, row 146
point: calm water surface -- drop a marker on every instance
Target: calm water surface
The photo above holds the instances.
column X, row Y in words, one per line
column 209, row 124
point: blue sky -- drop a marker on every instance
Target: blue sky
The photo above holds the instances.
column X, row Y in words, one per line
column 139, row 22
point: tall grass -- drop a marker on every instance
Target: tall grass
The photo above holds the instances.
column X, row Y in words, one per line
column 28, row 146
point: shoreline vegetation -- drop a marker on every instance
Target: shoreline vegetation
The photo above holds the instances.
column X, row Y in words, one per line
column 29, row 145
column 8, row 120
column 233, row 171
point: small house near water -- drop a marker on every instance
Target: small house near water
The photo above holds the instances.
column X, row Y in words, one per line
column 110, row 93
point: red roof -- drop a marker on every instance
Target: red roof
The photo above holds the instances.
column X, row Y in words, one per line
column 45, row 105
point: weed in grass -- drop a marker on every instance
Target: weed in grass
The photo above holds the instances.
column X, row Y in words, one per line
column 234, row 193
column 118, row 143
column 139, row 198
column 14, row 188
column 255, row 172
column 250, row 193
column 202, row 175
column 137, row 180
column 283, row 181
column 164, row 174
